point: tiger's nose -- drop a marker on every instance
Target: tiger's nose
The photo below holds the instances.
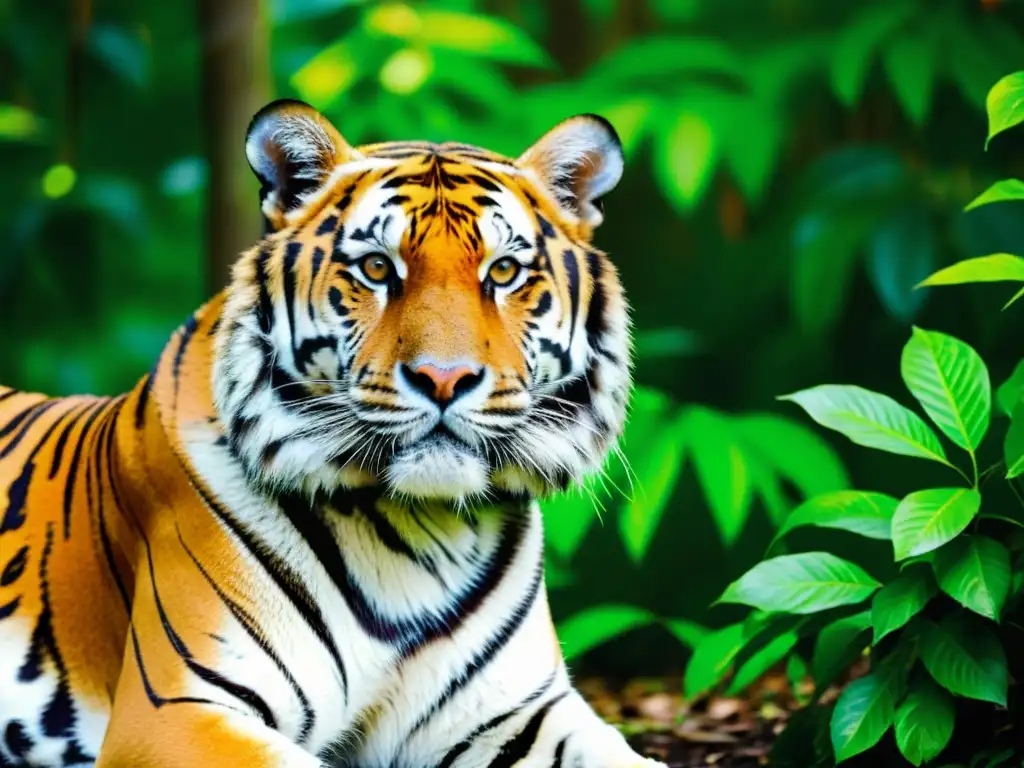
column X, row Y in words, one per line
column 443, row 385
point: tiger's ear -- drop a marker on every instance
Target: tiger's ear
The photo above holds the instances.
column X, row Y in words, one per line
column 292, row 149
column 579, row 160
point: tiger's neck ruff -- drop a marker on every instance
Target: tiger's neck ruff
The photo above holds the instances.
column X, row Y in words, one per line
column 310, row 534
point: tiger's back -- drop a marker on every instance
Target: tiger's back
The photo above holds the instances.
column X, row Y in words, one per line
column 62, row 623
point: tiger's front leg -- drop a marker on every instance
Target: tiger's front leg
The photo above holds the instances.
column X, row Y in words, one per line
column 503, row 703
column 189, row 734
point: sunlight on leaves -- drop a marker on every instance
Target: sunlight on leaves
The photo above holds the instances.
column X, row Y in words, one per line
column 808, row 582
column 686, row 149
column 870, row 419
column 1001, row 191
column 17, row 123
column 951, row 382
column 1005, row 104
column 326, row 76
column 406, row 71
column 995, row 268
column 925, row 520
column 863, row 512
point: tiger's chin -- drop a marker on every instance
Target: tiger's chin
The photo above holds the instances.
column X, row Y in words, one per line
column 446, row 469
column 438, row 468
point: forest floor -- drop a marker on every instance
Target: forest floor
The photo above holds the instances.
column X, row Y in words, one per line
column 720, row 731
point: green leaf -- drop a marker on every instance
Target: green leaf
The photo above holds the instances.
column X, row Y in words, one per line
column 712, row 658
column 1005, row 104
column 863, row 713
column 685, row 155
column 924, row 721
column 965, row 656
column 950, row 381
column 838, row 644
column 1011, row 391
column 1013, row 448
column 910, row 64
column 852, row 50
column 656, row 469
column 1018, row 295
column 17, row 123
column 808, row 462
column 687, row 632
column 327, row 76
column 974, row 571
column 771, row 654
column 721, row 468
column 803, row 583
column 995, row 268
column 901, row 253
column 899, row 601
column 1001, row 191
column 470, row 33
column 925, row 520
column 797, row 673
column 870, row 419
column 649, row 63
column 863, row 512
column 593, row 626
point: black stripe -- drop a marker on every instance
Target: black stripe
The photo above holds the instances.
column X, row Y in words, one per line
column 318, row 260
column 140, row 406
column 291, row 254
column 9, row 608
column 251, row 627
column 572, row 271
column 265, row 310
column 596, row 324
column 453, row 754
column 58, row 450
column 13, row 423
column 241, row 692
column 328, row 225
column 106, row 441
column 17, row 493
column 8, row 393
column 16, row 440
column 287, row 580
column 187, row 331
column 516, row 749
column 406, row 634
column 484, row 656
column 15, row 567
column 76, row 457
column 391, row 538
column 559, row 753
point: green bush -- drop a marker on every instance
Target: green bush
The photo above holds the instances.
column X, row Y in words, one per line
column 943, row 627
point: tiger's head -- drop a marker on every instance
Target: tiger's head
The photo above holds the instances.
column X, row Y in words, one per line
column 426, row 318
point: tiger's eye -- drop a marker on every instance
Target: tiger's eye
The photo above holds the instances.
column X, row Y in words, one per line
column 377, row 268
column 503, row 271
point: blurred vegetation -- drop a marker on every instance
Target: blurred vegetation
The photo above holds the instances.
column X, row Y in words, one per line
column 794, row 168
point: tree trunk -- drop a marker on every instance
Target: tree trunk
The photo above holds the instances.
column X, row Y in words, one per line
column 235, row 84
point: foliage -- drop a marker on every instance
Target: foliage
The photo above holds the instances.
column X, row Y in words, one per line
column 792, row 173
column 942, row 629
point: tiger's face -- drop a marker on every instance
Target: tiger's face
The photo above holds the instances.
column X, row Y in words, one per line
column 429, row 319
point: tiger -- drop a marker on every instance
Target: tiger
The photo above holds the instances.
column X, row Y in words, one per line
column 311, row 534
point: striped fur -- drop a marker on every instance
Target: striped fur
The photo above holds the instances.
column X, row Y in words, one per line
column 282, row 547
